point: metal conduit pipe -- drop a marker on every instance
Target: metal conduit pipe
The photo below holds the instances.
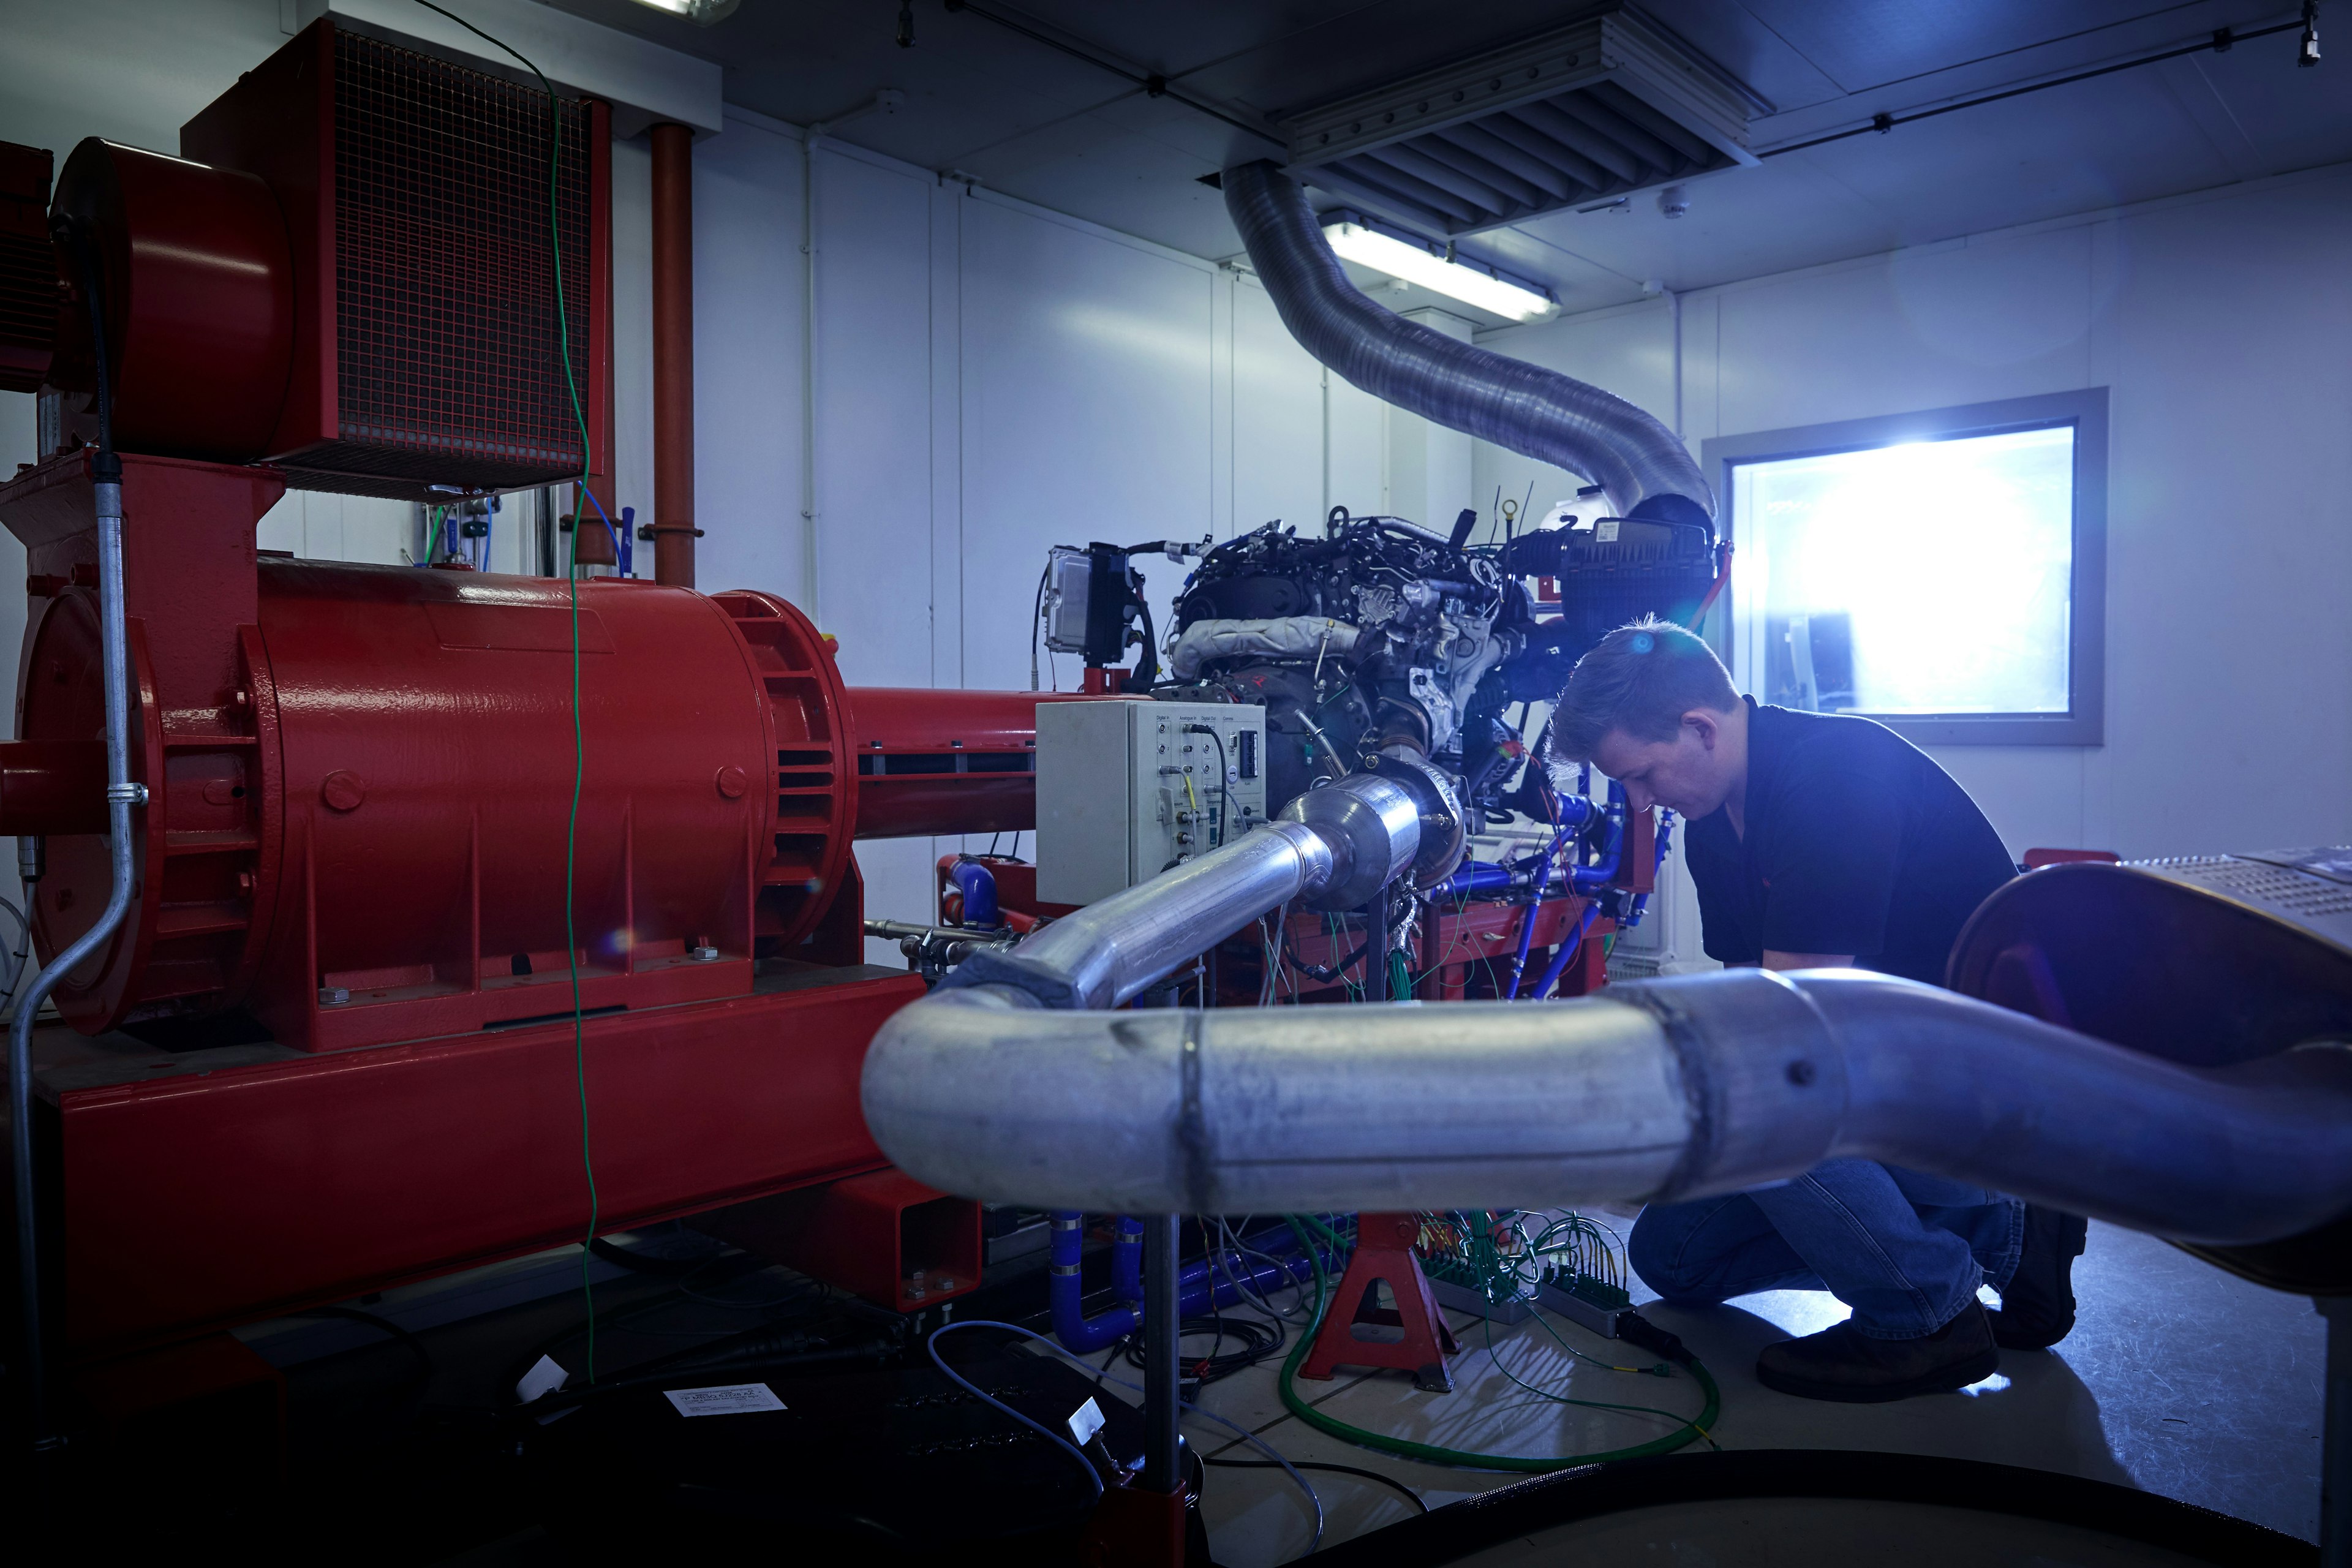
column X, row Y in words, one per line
column 1664, row 1091
column 1642, row 466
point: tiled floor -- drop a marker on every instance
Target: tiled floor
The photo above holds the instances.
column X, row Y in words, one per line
column 2177, row 1379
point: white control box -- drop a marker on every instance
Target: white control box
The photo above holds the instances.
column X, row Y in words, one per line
column 1128, row 789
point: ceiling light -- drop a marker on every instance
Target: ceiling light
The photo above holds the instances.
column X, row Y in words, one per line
column 703, row 11
column 1407, row 256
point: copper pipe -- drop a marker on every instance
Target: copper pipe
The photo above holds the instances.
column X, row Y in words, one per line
column 673, row 223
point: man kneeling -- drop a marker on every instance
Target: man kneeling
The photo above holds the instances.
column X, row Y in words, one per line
column 1822, row 841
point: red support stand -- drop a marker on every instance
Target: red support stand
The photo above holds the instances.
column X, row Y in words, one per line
column 1136, row 1528
column 1385, row 1252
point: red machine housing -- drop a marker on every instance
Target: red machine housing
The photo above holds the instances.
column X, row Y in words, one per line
column 199, row 293
column 361, row 778
column 354, row 272
column 333, row 1045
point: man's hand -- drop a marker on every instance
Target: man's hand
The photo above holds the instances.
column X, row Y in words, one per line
column 1774, row 959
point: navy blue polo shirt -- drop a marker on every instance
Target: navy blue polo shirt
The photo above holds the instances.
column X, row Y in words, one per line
column 1856, row 842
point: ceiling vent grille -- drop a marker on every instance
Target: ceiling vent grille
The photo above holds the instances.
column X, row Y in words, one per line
column 1596, row 111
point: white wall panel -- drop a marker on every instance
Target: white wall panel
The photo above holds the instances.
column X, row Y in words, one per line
column 1277, row 420
column 748, row 282
column 1963, row 322
column 633, row 340
column 873, row 418
column 1087, row 404
column 2230, row 524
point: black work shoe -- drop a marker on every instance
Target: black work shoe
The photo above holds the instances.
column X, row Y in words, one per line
column 2037, row 1308
column 1847, row 1365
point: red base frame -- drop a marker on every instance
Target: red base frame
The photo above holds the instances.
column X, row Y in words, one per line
column 197, row 1195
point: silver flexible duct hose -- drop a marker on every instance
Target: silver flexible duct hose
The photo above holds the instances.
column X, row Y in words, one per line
column 1664, row 1091
column 1536, row 412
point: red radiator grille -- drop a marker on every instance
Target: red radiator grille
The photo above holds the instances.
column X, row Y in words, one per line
column 446, row 354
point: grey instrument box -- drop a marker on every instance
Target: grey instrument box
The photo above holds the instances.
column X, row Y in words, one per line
column 1125, row 790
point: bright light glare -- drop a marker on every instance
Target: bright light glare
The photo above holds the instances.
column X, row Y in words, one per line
column 1451, row 278
column 703, row 11
column 1933, row 578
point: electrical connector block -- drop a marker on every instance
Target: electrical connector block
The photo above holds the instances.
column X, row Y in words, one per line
column 1593, row 1303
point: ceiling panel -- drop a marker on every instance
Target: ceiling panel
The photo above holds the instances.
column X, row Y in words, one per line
column 1863, row 44
column 1030, row 121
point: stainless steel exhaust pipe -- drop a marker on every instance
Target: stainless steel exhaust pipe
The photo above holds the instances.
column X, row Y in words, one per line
column 1663, row 1090
column 1331, row 849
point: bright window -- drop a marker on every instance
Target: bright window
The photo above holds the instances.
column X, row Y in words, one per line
column 1933, row 578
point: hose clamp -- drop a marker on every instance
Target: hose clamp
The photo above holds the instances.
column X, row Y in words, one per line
column 130, row 793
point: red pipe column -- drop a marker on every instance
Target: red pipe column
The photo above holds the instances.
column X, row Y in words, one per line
column 673, row 225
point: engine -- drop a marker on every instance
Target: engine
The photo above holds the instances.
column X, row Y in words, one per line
column 1382, row 634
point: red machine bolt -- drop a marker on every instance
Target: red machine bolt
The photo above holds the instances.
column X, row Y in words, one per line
column 343, row 790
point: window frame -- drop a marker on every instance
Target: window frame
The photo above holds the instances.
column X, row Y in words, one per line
column 2085, row 409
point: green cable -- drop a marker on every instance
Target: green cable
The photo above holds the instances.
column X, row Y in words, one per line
column 1695, row 1428
column 1337, row 1242
column 572, row 579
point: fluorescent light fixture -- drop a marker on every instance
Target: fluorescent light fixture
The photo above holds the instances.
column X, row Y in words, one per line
column 1401, row 254
column 703, row 11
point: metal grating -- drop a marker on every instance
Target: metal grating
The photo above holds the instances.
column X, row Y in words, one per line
column 2333, row 861
column 1634, row 966
column 1585, row 114
column 447, row 367
column 2316, row 902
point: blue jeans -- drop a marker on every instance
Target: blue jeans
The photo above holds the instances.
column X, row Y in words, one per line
column 1905, row 1251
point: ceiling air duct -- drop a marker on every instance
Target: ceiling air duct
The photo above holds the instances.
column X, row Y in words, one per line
column 1593, row 111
